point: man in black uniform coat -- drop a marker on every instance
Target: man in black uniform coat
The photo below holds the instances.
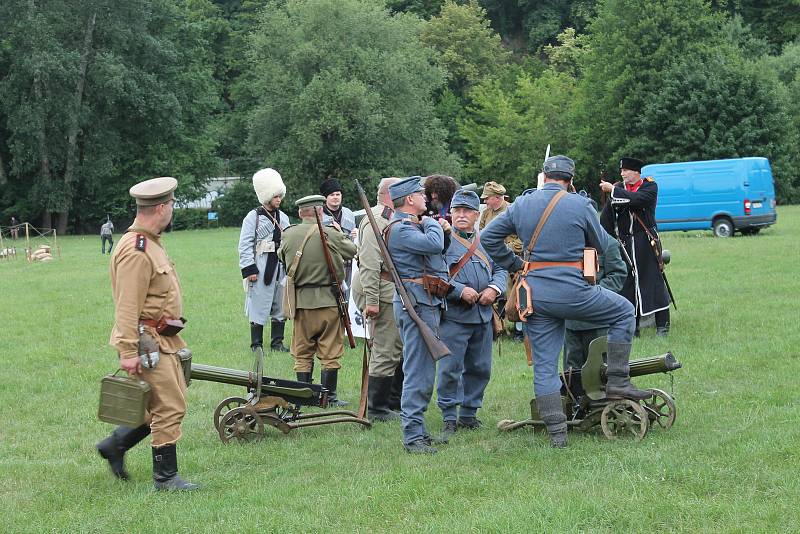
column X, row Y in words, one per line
column 629, row 215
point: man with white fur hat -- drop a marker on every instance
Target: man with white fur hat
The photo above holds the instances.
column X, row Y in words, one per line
column 262, row 272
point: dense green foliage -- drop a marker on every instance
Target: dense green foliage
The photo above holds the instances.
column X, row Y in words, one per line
column 98, row 94
column 729, row 464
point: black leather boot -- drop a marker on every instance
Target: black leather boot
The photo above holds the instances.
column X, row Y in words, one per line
column 256, row 335
column 329, row 379
column 276, row 330
column 304, row 377
column 662, row 323
column 552, row 413
column 165, row 470
column 619, row 381
column 114, row 447
column 378, row 397
column 396, row 391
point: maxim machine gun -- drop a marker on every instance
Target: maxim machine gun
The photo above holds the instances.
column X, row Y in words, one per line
column 586, row 406
column 272, row 401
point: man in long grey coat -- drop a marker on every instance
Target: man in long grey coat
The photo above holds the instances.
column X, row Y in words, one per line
column 262, row 271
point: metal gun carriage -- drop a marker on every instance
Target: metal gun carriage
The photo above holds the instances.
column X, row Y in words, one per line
column 586, row 406
column 269, row 401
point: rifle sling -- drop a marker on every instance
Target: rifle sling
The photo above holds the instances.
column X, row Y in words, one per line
column 472, row 249
column 299, row 253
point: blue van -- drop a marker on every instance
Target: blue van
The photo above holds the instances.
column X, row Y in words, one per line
column 725, row 195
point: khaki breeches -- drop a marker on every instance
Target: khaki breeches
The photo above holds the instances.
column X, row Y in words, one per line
column 167, row 399
column 319, row 332
column 387, row 347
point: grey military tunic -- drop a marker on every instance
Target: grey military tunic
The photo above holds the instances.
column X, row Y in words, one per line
column 257, row 248
column 559, row 293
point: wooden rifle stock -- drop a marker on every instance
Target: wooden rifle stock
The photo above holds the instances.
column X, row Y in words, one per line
column 336, row 286
column 436, row 347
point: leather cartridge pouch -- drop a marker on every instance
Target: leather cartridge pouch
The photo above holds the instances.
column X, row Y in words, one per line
column 170, row 327
column 590, row 265
column 497, row 324
column 436, row 286
column 512, row 312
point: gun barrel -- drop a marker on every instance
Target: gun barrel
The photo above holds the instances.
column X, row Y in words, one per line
column 222, row 375
column 655, row 364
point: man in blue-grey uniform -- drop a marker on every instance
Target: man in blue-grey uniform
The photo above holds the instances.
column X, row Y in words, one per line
column 466, row 326
column 554, row 271
column 416, row 246
column 262, row 272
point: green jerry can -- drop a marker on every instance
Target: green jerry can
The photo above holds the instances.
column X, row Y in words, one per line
column 123, row 400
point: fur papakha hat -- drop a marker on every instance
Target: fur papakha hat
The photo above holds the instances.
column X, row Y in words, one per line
column 268, row 184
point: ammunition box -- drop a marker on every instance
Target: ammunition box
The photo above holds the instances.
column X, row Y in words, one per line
column 123, row 400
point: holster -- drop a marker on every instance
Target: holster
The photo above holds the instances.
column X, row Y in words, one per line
column 170, row 327
column 166, row 326
column 436, row 286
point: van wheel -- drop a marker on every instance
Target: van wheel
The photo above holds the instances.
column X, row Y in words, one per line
column 723, row 227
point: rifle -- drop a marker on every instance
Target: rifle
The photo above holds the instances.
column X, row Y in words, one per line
column 436, row 347
column 336, row 287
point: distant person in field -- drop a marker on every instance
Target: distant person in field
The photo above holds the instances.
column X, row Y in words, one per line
column 106, row 234
column 630, row 216
column 14, row 228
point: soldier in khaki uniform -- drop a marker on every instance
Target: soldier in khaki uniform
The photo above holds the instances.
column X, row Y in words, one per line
column 146, row 288
column 494, row 196
column 373, row 290
column 317, row 328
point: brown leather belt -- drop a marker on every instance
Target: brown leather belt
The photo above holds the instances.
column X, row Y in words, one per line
column 534, row 265
column 413, row 280
column 149, row 322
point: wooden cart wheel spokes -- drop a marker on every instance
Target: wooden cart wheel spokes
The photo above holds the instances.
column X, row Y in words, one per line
column 242, row 424
column 225, row 406
column 624, row 418
column 660, row 408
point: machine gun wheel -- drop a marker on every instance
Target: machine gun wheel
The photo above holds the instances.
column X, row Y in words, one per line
column 243, row 424
column 225, row 406
column 624, row 417
column 660, row 408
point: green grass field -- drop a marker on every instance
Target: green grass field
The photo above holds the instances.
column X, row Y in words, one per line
column 730, row 463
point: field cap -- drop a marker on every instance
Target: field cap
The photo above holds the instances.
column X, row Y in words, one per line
column 465, row 199
column 559, row 167
column 309, row 201
column 405, row 187
column 154, row 191
column 492, row 189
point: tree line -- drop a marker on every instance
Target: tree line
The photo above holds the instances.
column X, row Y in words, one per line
column 99, row 94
